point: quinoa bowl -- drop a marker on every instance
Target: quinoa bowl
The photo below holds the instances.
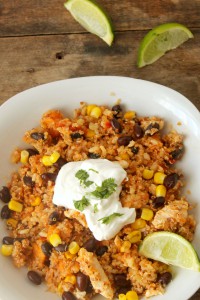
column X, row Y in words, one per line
column 23, row 112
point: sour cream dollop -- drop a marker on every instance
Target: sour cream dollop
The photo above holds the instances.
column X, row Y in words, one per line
column 92, row 187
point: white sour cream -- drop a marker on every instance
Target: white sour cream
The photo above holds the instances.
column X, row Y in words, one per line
column 69, row 189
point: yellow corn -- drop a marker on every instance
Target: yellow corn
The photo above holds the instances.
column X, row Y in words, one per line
column 6, row 250
column 159, row 177
column 15, row 206
column 11, row 223
column 139, row 224
column 60, row 288
column 131, row 295
column 71, row 279
column 90, row 133
column 129, row 115
column 122, row 297
column 126, row 245
column 161, row 191
column 124, row 156
column 147, row 214
column 46, row 161
column 147, row 174
column 24, row 156
column 73, row 247
column 90, row 108
column 36, row 201
column 54, row 157
column 134, row 236
column 96, row 112
column 55, row 239
column 68, row 255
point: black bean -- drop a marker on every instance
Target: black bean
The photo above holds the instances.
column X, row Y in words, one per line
column 124, row 140
column 34, row 277
column 135, row 149
column 37, row 136
column 101, row 250
column 68, row 296
column 5, row 212
column 54, row 218
column 76, row 135
column 60, row 162
column 90, row 245
column 32, row 152
column 171, row 180
column 93, row 155
column 164, row 278
column 61, row 248
column 138, row 213
column 89, row 288
column 121, row 281
column 8, row 240
column 117, row 108
column 49, row 177
column 46, row 248
column 158, row 202
column 177, row 153
column 5, row 195
column 138, row 131
column 82, row 281
column 116, row 125
column 28, row 181
column 152, row 125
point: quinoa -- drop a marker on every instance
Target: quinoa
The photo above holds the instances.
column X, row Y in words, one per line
column 110, row 267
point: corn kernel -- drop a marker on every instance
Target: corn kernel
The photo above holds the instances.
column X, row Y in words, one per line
column 139, row 224
column 129, row 115
column 46, row 161
column 68, row 255
column 6, row 250
column 125, row 246
column 90, row 133
column 60, row 288
column 96, row 112
column 71, row 279
column 90, row 108
column 73, row 248
column 122, row 297
column 54, row 157
column 134, row 236
column 161, row 191
column 147, row 214
column 131, row 295
column 124, row 156
column 55, row 239
column 24, row 155
column 15, row 206
column 11, row 223
column 159, row 177
column 36, row 201
column 147, row 174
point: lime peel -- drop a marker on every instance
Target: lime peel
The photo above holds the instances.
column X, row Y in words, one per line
column 92, row 17
column 170, row 248
column 161, row 39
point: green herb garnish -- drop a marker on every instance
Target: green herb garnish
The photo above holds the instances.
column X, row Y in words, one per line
column 82, row 175
column 108, row 219
column 106, row 189
column 96, row 208
column 81, row 204
column 93, row 170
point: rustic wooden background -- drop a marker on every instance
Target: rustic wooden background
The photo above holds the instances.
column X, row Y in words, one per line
column 40, row 42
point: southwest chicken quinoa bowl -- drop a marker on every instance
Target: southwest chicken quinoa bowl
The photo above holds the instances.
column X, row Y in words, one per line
column 87, row 193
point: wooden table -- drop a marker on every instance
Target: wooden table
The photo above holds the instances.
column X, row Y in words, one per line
column 40, row 42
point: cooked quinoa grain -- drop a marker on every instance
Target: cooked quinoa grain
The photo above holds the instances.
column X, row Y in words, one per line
column 55, row 243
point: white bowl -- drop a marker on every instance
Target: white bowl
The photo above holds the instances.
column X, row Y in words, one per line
column 23, row 111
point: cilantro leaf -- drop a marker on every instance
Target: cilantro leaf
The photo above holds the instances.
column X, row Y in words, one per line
column 81, row 204
column 82, row 175
column 93, row 170
column 110, row 218
column 106, row 189
column 96, row 208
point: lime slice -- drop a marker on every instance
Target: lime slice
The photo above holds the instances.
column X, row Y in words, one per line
column 170, row 248
column 160, row 40
column 92, row 17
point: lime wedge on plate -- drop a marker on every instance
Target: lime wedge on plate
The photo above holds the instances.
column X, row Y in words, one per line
column 170, row 248
column 92, row 17
column 160, row 40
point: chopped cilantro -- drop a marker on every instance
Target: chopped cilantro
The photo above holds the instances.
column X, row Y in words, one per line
column 82, row 175
column 106, row 189
column 81, row 204
column 96, row 208
column 108, row 219
column 93, row 170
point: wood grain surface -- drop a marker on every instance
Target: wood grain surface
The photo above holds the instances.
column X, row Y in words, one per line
column 40, row 42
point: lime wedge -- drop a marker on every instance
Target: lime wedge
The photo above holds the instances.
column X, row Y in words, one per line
column 170, row 248
column 92, row 17
column 160, row 40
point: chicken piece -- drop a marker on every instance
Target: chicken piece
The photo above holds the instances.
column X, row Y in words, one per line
column 73, row 214
column 91, row 267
